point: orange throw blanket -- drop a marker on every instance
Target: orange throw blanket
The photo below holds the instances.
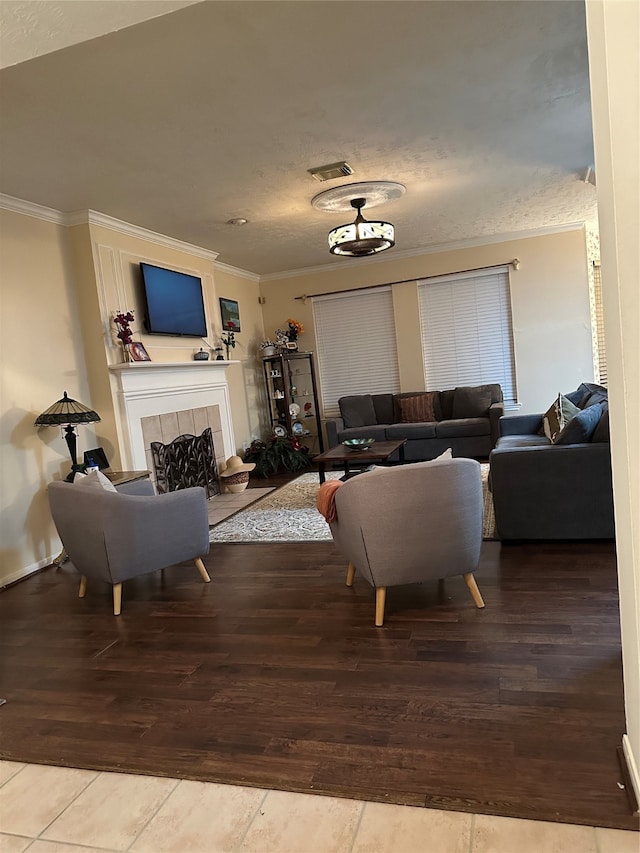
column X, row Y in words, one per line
column 326, row 501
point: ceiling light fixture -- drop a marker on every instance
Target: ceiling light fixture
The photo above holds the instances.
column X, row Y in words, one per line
column 238, row 220
column 362, row 237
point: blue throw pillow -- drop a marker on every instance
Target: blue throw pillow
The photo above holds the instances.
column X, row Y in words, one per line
column 581, row 426
column 601, row 433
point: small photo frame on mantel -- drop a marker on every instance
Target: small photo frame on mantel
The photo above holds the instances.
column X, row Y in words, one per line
column 230, row 313
column 137, row 352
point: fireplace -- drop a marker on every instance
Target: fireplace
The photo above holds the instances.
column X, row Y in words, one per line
column 159, row 402
column 185, row 462
column 184, row 449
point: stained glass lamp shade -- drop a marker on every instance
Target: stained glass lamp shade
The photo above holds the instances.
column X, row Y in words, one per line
column 361, row 237
column 67, row 413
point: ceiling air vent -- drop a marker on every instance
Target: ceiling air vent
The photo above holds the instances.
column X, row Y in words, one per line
column 331, row 172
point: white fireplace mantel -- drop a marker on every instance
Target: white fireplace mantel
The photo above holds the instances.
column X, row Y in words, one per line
column 148, row 388
column 172, row 365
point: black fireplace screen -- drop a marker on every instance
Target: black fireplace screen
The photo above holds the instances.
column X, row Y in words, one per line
column 187, row 461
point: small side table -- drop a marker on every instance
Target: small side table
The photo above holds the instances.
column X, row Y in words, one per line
column 118, row 478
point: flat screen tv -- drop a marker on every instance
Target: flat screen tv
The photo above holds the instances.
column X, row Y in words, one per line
column 173, row 302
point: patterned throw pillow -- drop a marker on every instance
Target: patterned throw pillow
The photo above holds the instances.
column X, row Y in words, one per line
column 417, row 409
column 558, row 416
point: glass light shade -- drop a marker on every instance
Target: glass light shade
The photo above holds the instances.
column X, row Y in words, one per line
column 67, row 411
column 361, row 237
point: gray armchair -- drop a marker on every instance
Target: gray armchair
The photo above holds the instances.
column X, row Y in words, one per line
column 411, row 523
column 111, row 536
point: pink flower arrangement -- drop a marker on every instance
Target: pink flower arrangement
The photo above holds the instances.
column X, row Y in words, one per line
column 121, row 322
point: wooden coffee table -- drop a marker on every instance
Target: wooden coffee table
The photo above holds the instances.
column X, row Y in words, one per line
column 379, row 451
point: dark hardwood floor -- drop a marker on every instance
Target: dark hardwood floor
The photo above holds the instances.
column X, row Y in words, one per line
column 274, row 675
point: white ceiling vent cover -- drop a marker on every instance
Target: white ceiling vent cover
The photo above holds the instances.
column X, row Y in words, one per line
column 331, row 172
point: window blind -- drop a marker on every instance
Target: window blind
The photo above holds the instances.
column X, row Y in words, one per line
column 467, row 333
column 356, row 344
column 599, row 318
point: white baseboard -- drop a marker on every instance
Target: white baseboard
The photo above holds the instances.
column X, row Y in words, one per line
column 632, row 766
column 19, row 574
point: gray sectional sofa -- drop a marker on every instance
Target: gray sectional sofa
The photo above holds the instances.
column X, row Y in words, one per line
column 561, row 490
column 466, row 419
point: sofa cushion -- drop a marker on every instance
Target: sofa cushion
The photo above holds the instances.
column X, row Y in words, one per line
column 601, row 433
column 522, row 440
column 394, row 432
column 581, row 427
column 417, row 408
column 557, row 416
column 462, row 427
column 584, row 391
column 357, row 410
column 375, row 431
column 595, row 398
column 446, row 405
column 383, row 407
column 471, row 402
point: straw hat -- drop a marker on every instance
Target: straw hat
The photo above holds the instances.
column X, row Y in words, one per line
column 234, row 465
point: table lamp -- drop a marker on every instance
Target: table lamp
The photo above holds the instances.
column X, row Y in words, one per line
column 67, row 413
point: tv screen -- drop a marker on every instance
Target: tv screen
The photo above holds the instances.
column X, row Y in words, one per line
column 174, row 303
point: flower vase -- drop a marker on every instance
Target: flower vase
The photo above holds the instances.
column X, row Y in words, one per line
column 126, row 350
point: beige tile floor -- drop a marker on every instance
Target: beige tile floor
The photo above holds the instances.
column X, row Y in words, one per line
column 47, row 809
column 223, row 506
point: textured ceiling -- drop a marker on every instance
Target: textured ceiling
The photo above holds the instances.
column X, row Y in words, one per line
column 30, row 28
column 217, row 110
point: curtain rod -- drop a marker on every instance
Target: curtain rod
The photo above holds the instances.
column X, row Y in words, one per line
column 515, row 263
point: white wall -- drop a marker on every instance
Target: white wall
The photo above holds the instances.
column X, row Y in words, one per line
column 613, row 30
column 42, row 356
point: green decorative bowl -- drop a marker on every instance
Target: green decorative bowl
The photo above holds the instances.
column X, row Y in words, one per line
column 358, row 443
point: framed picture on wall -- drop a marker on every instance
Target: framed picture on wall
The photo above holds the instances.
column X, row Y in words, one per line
column 230, row 315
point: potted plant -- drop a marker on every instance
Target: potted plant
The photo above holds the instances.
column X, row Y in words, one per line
column 276, row 454
column 229, row 341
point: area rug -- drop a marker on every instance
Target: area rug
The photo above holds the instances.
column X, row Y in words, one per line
column 290, row 515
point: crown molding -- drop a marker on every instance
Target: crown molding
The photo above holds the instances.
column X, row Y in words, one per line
column 435, row 248
column 94, row 217
column 250, row 276
column 30, row 208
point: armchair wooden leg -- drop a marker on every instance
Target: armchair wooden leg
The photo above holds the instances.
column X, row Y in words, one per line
column 351, row 573
column 381, row 596
column 83, row 587
column 117, row 599
column 473, row 589
column 203, row 572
